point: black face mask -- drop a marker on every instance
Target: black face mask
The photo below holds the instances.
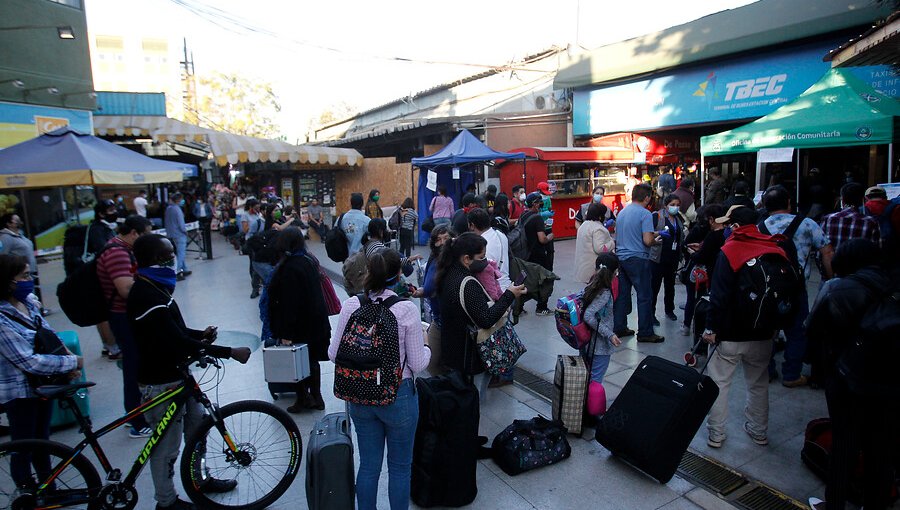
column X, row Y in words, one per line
column 478, row 265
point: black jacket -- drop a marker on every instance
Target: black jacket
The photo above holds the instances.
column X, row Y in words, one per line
column 835, row 317
column 163, row 340
column 297, row 310
column 456, row 352
column 722, row 299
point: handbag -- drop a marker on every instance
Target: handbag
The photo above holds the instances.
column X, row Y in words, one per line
column 530, row 444
column 499, row 346
column 45, row 342
column 428, row 224
column 332, row 303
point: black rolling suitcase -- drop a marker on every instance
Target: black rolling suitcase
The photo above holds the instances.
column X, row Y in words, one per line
column 658, row 412
column 445, row 451
column 330, row 477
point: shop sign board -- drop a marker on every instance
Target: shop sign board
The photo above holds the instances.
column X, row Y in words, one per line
column 741, row 88
column 21, row 122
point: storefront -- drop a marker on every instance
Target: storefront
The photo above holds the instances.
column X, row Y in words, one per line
column 700, row 100
column 574, row 172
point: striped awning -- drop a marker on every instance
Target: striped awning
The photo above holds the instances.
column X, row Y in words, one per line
column 225, row 147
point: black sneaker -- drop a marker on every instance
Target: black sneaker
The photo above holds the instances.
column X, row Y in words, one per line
column 671, row 316
column 216, row 486
column 655, row 321
column 188, row 272
column 179, row 504
column 180, row 277
column 651, row 339
column 625, row 333
column 254, row 294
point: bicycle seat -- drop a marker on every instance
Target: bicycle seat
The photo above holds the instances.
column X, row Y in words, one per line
column 63, row 390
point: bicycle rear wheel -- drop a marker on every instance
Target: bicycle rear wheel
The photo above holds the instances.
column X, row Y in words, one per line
column 269, row 453
column 74, row 487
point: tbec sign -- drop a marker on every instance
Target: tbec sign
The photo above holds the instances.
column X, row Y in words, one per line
column 742, row 88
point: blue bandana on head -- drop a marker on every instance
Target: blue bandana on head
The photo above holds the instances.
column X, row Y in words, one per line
column 164, row 276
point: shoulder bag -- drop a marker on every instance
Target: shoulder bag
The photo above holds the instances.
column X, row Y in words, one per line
column 498, row 346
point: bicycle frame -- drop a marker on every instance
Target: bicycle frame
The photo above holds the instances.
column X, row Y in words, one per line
column 176, row 399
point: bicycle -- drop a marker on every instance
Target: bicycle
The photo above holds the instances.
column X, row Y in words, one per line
column 254, row 442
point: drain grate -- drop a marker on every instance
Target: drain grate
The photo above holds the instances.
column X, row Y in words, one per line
column 766, row 498
column 534, row 383
column 712, row 475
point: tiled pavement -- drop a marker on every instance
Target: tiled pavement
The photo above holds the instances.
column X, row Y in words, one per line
column 218, row 294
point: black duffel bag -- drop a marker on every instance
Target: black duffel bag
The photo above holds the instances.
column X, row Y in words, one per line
column 530, row 444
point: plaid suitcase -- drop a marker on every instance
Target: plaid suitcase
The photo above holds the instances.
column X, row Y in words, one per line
column 570, row 391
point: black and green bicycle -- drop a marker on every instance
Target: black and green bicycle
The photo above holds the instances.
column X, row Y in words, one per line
column 252, row 442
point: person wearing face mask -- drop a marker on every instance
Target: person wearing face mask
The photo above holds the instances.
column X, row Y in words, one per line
column 164, row 342
column 596, row 198
column 115, row 271
column 14, row 243
column 592, row 240
column 28, row 415
column 121, row 208
column 666, row 256
column 373, row 210
column 516, row 204
column 460, row 258
column 176, row 230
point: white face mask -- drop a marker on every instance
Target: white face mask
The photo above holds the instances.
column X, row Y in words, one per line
column 522, row 197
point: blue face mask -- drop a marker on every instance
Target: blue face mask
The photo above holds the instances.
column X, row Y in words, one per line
column 23, row 289
column 727, row 232
column 181, row 203
column 163, row 274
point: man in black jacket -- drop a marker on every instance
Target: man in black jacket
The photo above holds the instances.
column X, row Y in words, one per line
column 164, row 343
column 751, row 348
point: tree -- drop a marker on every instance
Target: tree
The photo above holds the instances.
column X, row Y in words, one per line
column 333, row 113
column 232, row 103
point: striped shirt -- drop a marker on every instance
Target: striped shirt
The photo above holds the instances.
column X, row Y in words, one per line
column 850, row 224
column 408, row 220
column 17, row 352
column 115, row 262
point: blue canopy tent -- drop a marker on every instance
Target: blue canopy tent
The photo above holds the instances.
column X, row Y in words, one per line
column 464, row 150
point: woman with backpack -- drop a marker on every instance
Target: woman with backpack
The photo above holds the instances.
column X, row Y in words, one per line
column 393, row 424
column 297, row 312
column 461, row 259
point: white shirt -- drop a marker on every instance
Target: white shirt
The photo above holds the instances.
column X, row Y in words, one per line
column 498, row 250
column 140, row 206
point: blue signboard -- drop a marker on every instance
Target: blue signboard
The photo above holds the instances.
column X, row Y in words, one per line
column 20, row 122
column 742, row 88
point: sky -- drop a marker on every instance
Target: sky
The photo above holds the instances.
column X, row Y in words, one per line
column 320, row 53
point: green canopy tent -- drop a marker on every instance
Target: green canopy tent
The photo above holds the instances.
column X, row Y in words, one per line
column 837, row 111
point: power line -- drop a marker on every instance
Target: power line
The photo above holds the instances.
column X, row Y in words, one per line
column 236, row 24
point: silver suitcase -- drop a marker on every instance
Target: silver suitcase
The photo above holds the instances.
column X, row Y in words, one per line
column 286, row 363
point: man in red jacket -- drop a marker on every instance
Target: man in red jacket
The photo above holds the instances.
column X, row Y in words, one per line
column 751, row 347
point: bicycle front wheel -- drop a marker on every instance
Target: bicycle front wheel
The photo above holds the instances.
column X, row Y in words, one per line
column 261, row 450
column 28, row 463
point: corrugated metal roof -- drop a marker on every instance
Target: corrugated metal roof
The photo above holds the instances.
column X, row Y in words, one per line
column 758, row 25
column 131, row 103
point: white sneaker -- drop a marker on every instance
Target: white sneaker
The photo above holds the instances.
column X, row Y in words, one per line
column 684, row 330
column 816, row 504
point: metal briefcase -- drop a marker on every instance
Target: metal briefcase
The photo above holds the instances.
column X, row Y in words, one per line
column 286, row 363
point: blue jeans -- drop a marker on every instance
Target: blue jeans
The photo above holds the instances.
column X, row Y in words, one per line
column 395, row 425
column 121, row 329
column 795, row 346
column 599, row 367
column 635, row 272
column 441, row 221
column 180, row 253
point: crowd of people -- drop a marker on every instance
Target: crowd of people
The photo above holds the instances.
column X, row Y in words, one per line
column 485, row 259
